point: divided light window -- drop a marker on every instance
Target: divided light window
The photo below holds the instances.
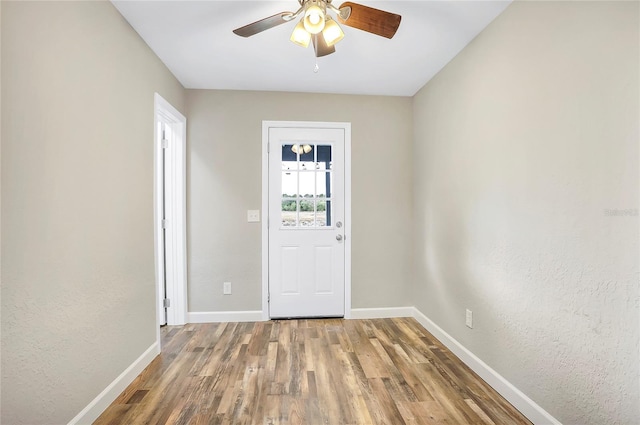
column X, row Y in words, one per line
column 306, row 185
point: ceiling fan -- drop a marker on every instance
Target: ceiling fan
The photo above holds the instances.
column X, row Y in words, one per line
column 318, row 26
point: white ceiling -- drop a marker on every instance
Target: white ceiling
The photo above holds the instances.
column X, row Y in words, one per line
column 195, row 40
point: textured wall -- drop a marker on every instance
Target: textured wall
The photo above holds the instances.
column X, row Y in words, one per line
column 224, row 169
column 78, row 291
column 526, row 169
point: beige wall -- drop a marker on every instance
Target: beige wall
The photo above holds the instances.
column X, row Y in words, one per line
column 224, row 169
column 78, row 292
column 522, row 145
column 519, row 147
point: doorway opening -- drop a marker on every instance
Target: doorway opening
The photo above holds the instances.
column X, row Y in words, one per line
column 306, row 230
column 170, row 214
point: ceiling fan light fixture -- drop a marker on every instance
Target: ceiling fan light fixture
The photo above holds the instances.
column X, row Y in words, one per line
column 332, row 32
column 300, row 35
column 317, row 25
column 314, row 18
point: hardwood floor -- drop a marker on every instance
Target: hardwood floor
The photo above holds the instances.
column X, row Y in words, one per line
column 322, row 371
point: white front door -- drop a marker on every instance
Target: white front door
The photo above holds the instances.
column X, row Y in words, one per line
column 306, row 222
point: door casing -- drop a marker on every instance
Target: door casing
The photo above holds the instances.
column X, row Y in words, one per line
column 175, row 246
column 346, row 127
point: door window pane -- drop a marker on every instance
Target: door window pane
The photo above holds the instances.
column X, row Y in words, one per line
column 323, row 184
column 323, row 157
column 307, row 154
column 289, row 184
column 321, row 213
column 326, row 215
column 307, row 213
column 289, row 158
column 289, row 213
column 307, row 184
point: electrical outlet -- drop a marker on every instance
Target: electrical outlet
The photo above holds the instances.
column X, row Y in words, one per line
column 226, row 288
column 469, row 319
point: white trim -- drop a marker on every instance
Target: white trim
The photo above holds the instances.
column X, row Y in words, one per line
column 517, row 398
column 265, row 221
column 224, row 316
column 347, row 220
column 99, row 404
column 265, row 206
column 175, row 210
column 381, row 313
column 158, row 235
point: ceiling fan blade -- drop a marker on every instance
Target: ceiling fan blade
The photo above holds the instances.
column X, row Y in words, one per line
column 371, row 20
column 321, row 47
column 263, row 24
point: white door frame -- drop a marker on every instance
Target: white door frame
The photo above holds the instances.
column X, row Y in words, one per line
column 266, row 125
column 173, row 255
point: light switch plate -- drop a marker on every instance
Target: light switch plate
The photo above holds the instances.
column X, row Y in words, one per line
column 253, row 216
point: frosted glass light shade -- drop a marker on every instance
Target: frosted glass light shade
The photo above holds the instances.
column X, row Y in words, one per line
column 300, row 36
column 332, row 32
column 314, row 19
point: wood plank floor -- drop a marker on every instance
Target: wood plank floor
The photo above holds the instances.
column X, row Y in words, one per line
column 322, row 371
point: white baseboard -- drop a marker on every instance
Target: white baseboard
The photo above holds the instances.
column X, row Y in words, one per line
column 256, row 316
column 224, row 316
column 517, row 398
column 382, row 313
column 99, row 404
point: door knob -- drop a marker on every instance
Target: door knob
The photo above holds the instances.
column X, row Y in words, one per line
column 339, row 238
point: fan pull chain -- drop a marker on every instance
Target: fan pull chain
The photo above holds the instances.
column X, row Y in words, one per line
column 316, row 68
